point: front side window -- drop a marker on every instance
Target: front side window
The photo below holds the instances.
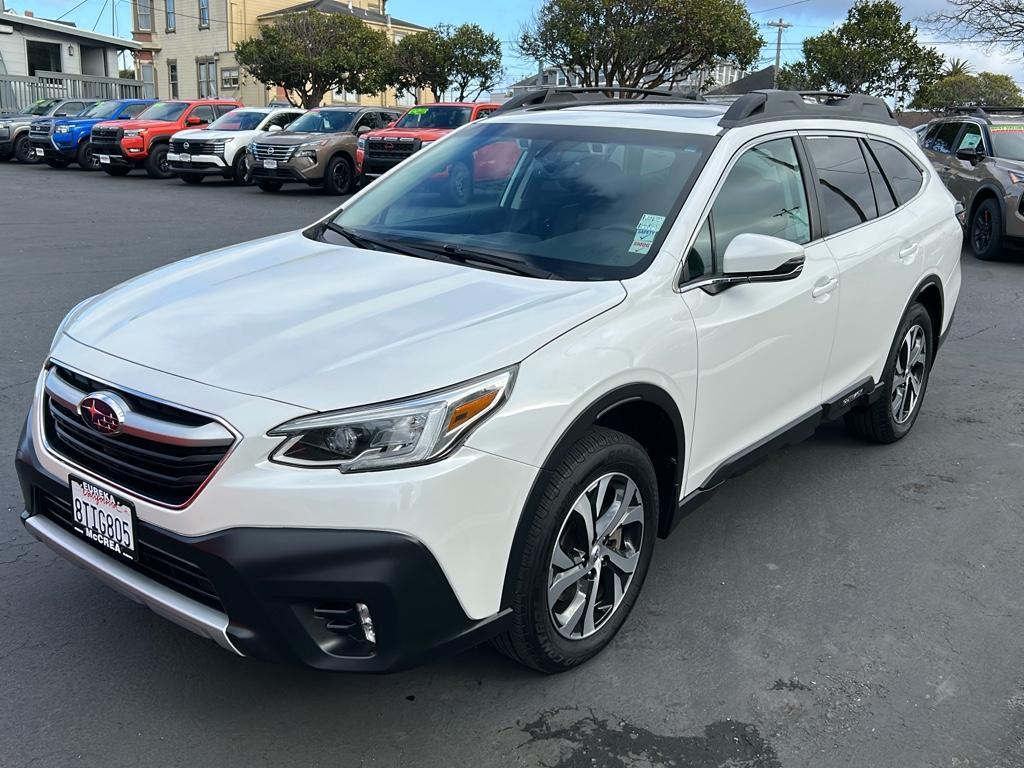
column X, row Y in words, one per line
column 1008, row 140
column 324, row 121
column 204, row 113
column 165, row 110
column 145, row 15
column 283, row 119
column 41, row 107
column 435, row 117
column 204, row 14
column 843, row 182
column 903, row 175
column 570, row 202
column 238, row 120
column 171, row 21
column 970, row 138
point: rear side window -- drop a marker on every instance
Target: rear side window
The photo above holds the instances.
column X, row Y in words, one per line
column 903, row 175
column 941, row 138
column 843, row 182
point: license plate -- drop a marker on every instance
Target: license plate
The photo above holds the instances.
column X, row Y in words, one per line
column 270, row 164
column 184, row 158
column 102, row 517
column 104, row 158
column 39, row 152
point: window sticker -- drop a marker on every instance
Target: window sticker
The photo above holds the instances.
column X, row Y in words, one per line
column 646, row 231
column 1011, row 128
column 418, row 111
column 970, row 141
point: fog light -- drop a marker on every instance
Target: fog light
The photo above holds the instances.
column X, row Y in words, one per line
column 133, row 149
column 367, row 623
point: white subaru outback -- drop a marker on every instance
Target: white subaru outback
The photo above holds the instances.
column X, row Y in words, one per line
column 433, row 419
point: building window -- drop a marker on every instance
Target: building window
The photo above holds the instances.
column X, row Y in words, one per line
column 204, row 14
column 169, row 12
column 144, row 15
column 148, row 80
column 349, row 97
column 207, row 78
column 172, row 78
column 229, row 79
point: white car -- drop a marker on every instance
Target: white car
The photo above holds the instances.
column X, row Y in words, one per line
column 430, row 420
column 219, row 149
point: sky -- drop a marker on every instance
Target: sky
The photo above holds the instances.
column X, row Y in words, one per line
column 505, row 18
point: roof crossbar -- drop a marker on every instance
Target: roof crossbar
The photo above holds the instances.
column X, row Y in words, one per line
column 765, row 105
column 985, row 111
column 560, row 98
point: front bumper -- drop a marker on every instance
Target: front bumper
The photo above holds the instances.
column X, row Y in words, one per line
column 53, row 151
column 201, row 165
column 265, row 592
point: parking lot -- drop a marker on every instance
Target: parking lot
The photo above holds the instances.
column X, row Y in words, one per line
column 841, row 604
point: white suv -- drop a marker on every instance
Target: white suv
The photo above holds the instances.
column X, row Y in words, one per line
column 433, row 419
column 219, row 149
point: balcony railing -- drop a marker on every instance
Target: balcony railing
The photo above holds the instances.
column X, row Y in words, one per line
column 17, row 91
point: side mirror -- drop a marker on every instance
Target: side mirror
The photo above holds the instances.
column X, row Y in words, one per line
column 363, row 129
column 753, row 258
column 391, row 124
column 273, row 128
column 124, row 116
column 971, row 154
column 193, row 121
column 60, row 114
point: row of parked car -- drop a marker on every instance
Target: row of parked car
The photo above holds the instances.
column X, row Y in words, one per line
column 332, row 147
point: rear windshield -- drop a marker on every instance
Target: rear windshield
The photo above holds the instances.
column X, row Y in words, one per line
column 1008, row 140
column 164, row 110
column 102, row 110
column 324, row 121
column 435, row 117
column 238, row 120
column 575, row 202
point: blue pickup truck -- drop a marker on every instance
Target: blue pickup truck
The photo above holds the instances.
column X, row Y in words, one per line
column 60, row 141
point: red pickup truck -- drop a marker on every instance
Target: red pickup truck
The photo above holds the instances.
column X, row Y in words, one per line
column 378, row 151
column 122, row 145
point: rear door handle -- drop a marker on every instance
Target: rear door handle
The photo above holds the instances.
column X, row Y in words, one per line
column 909, row 253
column 825, row 288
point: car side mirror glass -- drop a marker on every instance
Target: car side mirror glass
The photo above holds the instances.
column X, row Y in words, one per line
column 363, row 129
column 273, row 129
column 751, row 258
column 60, row 114
column 391, row 124
column 970, row 154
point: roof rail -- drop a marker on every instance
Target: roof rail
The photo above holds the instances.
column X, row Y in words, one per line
column 560, row 98
column 762, row 106
column 984, row 111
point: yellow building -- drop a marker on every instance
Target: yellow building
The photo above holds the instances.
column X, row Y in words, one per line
column 188, row 46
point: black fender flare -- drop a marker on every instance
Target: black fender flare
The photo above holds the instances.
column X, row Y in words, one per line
column 645, row 392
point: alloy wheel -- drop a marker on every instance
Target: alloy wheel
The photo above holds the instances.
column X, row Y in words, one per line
column 982, row 234
column 341, row 176
column 595, row 555
column 908, row 376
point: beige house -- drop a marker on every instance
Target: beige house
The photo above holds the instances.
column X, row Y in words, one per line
column 188, row 46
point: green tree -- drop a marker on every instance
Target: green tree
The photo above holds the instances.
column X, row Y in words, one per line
column 874, row 51
column 464, row 57
column 957, row 67
column 311, row 53
column 640, row 43
column 985, row 88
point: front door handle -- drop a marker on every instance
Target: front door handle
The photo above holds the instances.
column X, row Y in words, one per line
column 824, row 288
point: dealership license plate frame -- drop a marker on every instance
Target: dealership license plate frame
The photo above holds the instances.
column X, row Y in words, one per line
column 110, row 504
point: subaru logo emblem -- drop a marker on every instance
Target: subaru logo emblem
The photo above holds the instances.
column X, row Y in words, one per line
column 185, row 145
column 103, row 411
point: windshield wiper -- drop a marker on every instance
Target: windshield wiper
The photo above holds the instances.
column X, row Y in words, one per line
column 463, row 255
column 382, row 244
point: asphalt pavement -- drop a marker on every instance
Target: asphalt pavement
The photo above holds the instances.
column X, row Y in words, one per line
column 841, row 604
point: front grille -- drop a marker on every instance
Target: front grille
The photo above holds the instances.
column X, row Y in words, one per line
column 391, row 149
column 165, row 472
column 40, row 130
column 102, row 136
column 272, row 151
column 170, row 570
column 193, row 147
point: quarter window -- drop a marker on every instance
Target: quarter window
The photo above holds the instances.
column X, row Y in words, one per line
column 843, row 182
column 884, row 197
column 903, row 174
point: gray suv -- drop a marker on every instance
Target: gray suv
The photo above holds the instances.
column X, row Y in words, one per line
column 318, row 149
column 979, row 154
column 14, row 125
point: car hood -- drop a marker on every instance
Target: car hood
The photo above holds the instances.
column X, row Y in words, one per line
column 324, row 326
column 423, row 134
column 288, row 139
column 73, row 121
column 14, row 117
column 204, row 134
column 134, row 125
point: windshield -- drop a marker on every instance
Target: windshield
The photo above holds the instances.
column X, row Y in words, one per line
column 435, row 117
column 324, row 121
column 41, row 107
column 576, row 202
column 102, row 110
column 1008, row 140
column 238, row 120
column 164, row 110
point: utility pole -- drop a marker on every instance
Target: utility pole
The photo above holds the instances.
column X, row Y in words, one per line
column 779, row 25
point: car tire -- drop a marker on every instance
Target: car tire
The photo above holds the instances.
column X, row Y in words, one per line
column 191, row 178
column 23, row 151
column 241, row 170
column 460, row 184
column 56, row 162
column 891, row 417
column 269, row 186
column 86, row 157
column 340, row 176
column 117, row 170
column 986, row 232
column 156, row 164
column 569, row 596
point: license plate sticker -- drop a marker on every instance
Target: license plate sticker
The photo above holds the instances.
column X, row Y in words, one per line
column 104, row 158
column 40, row 152
column 102, row 517
column 270, row 164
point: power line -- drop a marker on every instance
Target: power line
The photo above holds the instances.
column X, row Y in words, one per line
column 74, row 8
column 100, row 16
column 777, row 7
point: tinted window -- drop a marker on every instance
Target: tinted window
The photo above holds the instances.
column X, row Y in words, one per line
column 204, row 113
column 134, row 110
column 223, row 109
column 884, row 197
column 370, row 120
column 941, row 137
column 283, row 118
column 843, row 182
column 435, row 117
column 904, row 176
column 324, row 121
column 239, row 120
column 70, row 108
column 164, row 110
column 103, row 109
column 763, row 194
column 970, row 138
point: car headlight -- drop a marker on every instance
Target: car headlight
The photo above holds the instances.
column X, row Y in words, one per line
column 425, row 144
column 4, row 124
column 1016, row 177
column 395, row 434
column 361, row 142
column 133, row 133
column 62, row 129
